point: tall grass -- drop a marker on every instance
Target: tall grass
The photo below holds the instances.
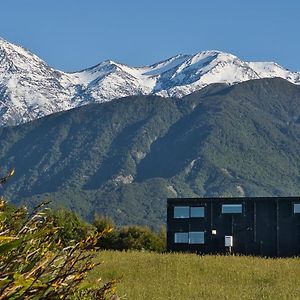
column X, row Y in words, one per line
column 187, row 276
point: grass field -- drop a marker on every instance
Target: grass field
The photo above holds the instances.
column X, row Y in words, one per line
column 186, row 276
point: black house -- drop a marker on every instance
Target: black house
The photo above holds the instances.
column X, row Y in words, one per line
column 266, row 226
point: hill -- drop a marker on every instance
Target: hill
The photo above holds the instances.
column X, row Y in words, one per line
column 125, row 157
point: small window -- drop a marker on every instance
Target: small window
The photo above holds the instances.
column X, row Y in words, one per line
column 197, row 212
column 181, row 212
column 196, row 237
column 181, row 238
column 296, row 208
column 232, row 208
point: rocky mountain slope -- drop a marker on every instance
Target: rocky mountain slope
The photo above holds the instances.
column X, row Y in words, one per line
column 123, row 158
column 31, row 89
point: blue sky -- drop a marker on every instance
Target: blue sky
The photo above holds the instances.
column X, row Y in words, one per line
column 75, row 34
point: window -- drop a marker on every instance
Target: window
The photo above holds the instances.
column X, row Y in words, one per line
column 181, row 212
column 181, row 237
column 197, row 212
column 232, row 208
column 296, row 208
column 196, row 237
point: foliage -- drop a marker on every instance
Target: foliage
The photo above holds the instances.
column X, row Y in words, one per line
column 128, row 237
column 139, row 238
column 125, row 157
column 35, row 265
column 103, row 222
column 72, row 227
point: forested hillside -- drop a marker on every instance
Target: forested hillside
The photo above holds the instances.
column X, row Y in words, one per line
column 125, row 157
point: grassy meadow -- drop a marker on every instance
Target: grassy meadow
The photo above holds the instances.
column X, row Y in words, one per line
column 145, row 275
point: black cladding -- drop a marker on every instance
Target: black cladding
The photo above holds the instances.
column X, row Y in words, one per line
column 264, row 226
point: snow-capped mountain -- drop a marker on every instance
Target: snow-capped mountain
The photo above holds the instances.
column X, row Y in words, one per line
column 30, row 89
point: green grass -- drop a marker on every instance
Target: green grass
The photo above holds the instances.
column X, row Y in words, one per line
column 187, row 276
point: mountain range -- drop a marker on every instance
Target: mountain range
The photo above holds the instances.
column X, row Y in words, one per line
column 31, row 89
column 123, row 158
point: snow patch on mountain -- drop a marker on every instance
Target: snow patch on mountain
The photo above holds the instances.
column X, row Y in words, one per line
column 30, row 89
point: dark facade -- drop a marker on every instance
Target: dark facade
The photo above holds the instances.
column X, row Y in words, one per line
column 253, row 226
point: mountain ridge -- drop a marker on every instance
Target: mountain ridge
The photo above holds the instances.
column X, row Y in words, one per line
column 123, row 158
column 31, row 89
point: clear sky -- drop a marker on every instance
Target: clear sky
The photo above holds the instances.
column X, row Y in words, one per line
column 76, row 34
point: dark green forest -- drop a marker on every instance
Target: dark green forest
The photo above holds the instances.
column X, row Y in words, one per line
column 124, row 158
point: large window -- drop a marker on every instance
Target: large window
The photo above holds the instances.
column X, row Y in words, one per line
column 181, row 237
column 181, row 212
column 197, row 212
column 232, row 208
column 296, row 208
column 196, row 237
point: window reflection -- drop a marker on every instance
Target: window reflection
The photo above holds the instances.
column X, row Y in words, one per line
column 232, row 208
column 296, row 208
column 197, row 212
column 181, row 212
column 181, row 237
column 196, row 237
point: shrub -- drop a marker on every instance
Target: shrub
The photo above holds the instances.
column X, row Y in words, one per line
column 128, row 238
column 102, row 222
column 35, row 265
column 72, row 227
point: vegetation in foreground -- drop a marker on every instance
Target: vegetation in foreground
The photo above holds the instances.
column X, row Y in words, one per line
column 34, row 263
column 47, row 255
column 145, row 275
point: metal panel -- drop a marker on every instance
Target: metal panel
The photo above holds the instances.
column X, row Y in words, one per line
column 267, row 226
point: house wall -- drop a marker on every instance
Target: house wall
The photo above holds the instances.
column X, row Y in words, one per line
column 266, row 226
